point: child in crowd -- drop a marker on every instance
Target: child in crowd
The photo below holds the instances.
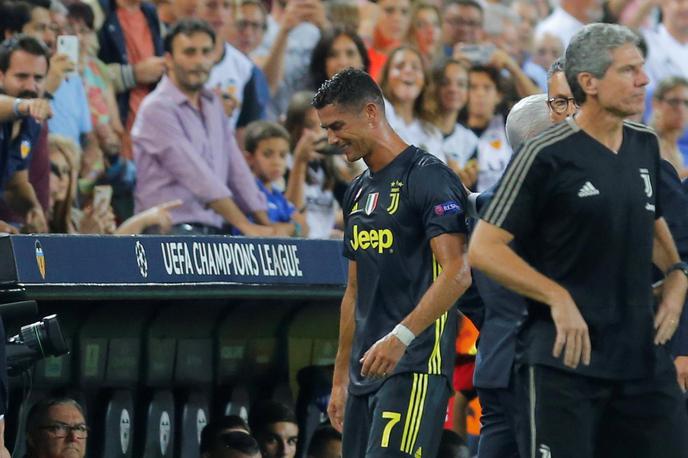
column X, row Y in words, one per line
column 266, row 146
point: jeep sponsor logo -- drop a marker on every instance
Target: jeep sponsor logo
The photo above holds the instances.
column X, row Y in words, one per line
column 377, row 239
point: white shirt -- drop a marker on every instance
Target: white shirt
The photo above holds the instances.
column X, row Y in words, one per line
column 494, row 154
column 424, row 136
column 231, row 75
column 460, row 145
column 321, row 206
column 666, row 56
column 560, row 24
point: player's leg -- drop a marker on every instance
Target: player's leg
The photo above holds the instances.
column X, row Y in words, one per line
column 498, row 431
column 408, row 415
column 356, row 426
column 648, row 419
column 563, row 412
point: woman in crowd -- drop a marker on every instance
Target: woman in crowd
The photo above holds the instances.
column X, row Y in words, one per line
column 450, row 88
column 670, row 118
column 425, row 32
column 313, row 175
column 95, row 218
column 389, row 32
column 487, row 123
column 410, row 110
column 337, row 50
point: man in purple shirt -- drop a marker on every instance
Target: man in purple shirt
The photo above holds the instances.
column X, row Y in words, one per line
column 184, row 148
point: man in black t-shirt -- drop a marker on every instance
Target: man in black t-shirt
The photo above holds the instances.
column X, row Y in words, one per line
column 581, row 201
column 404, row 238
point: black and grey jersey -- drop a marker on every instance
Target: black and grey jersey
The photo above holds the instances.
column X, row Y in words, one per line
column 584, row 217
column 390, row 217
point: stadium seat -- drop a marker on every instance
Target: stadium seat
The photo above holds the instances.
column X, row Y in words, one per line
column 238, row 401
column 194, row 417
column 312, row 341
column 251, row 351
column 159, row 426
column 119, row 416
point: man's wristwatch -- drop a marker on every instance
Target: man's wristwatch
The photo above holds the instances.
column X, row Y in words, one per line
column 15, row 107
column 682, row 266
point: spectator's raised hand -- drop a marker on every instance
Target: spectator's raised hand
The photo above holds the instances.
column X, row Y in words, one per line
column 60, row 66
column 39, row 109
column 91, row 223
column 149, row 70
column 8, row 228
column 160, row 215
column 502, row 60
column 229, row 102
column 35, row 221
column 315, row 13
column 305, row 149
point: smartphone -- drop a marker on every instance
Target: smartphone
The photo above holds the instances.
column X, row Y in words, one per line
column 69, row 45
column 102, row 196
column 478, row 54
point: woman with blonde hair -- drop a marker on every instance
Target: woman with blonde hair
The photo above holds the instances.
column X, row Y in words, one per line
column 65, row 218
column 669, row 119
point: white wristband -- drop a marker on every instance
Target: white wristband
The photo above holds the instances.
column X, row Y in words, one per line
column 403, row 333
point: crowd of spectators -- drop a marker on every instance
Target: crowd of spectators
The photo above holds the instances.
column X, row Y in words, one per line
column 144, row 129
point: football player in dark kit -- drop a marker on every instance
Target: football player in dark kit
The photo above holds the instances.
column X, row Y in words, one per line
column 581, row 202
column 405, row 240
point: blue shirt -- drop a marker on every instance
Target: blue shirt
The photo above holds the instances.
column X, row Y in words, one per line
column 15, row 154
column 71, row 116
column 279, row 208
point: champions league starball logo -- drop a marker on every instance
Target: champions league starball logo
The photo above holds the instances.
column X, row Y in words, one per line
column 141, row 259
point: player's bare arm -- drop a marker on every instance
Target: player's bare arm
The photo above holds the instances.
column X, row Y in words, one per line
column 453, row 281
column 489, row 251
column 664, row 255
column 340, row 382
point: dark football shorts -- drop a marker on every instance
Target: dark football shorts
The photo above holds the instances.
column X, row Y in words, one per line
column 403, row 418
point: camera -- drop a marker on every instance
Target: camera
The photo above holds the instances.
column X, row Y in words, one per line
column 34, row 342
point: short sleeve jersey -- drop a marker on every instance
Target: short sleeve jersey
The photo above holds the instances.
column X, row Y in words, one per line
column 584, row 217
column 390, row 218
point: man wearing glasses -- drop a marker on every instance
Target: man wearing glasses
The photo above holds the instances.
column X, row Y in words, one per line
column 560, row 101
column 56, row 428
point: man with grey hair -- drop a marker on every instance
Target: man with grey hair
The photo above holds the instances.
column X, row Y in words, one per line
column 580, row 202
column 504, row 312
column 56, row 428
column 526, row 119
column 560, row 100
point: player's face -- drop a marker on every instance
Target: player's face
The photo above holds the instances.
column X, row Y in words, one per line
column 342, row 55
column 348, row 130
column 269, row 160
column 25, row 76
column 559, row 97
column 621, row 90
column 54, row 442
column 405, row 79
column 280, row 441
column 190, row 61
column 453, row 90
